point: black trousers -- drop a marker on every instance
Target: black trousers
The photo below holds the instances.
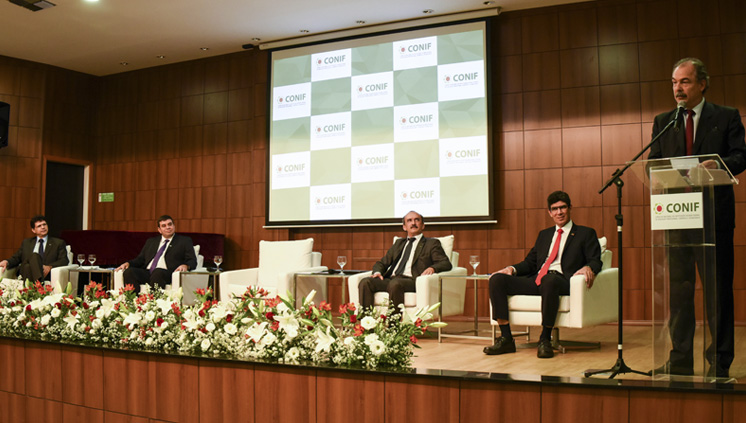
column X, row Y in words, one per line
column 136, row 276
column 718, row 297
column 33, row 269
column 552, row 286
column 396, row 287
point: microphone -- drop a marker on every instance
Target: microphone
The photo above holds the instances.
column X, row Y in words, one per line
column 679, row 108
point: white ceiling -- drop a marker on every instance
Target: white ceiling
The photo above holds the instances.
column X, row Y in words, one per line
column 95, row 38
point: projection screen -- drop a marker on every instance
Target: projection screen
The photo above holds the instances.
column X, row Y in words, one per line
column 364, row 130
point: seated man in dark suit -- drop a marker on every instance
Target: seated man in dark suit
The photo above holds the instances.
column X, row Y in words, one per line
column 397, row 271
column 560, row 252
column 39, row 254
column 160, row 257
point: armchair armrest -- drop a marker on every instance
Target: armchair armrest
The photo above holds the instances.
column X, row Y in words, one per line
column 596, row 305
column 353, row 294
column 235, row 282
column 454, row 291
column 60, row 276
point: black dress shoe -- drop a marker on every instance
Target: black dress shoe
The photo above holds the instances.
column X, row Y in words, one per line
column 718, row 372
column 545, row 349
column 670, row 369
column 502, row 346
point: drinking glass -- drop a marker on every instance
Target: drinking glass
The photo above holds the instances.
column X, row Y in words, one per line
column 81, row 259
column 92, row 258
column 341, row 261
column 218, row 260
column 474, row 261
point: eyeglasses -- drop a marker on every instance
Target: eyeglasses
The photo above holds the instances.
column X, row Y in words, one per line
column 558, row 208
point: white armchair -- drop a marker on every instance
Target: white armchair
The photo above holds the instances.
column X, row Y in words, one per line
column 279, row 261
column 175, row 281
column 582, row 308
column 426, row 290
column 60, row 275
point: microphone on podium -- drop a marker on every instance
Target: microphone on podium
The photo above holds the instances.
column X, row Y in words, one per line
column 681, row 106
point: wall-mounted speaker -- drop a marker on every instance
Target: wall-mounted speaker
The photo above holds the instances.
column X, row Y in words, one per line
column 4, row 123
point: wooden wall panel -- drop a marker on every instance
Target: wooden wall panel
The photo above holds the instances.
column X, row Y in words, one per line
column 563, row 404
column 82, row 377
column 12, row 365
column 126, row 386
column 43, row 371
column 489, row 402
column 348, row 396
column 13, row 407
column 668, row 406
column 275, row 391
column 77, row 414
column 409, row 398
column 41, row 410
column 226, row 392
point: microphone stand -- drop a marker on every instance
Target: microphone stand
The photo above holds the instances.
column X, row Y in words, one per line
column 620, row 366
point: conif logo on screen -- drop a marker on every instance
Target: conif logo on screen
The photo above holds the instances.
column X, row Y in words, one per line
column 372, row 91
column 331, row 65
column 330, row 202
column 417, row 53
column 291, row 101
column 291, row 170
column 373, row 163
column 422, row 195
column 460, row 81
column 416, row 122
column 331, row 131
column 463, row 156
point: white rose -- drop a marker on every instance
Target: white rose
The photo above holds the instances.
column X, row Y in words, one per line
column 150, row 316
column 205, row 345
column 377, row 348
column 55, row 312
column 230, row 329
column 164, row 325
column 149, row 341
column 210, row 327
column 45, row 319
column 349, row 341
column 368, row 323
column 370, row 339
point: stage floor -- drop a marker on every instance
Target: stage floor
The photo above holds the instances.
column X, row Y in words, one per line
column 467, row 355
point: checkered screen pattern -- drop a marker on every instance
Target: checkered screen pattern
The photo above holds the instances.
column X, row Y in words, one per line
column 373, row 131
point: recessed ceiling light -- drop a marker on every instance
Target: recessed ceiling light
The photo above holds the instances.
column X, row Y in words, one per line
column 305, row 31
column 124, row 63
column 160, row 56
column 256, row 39
column 92, row 1
column 204, row 48
column 488, row 3
column 360, row 22
column 428, row 11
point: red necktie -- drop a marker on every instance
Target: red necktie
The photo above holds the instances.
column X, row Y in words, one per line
column 552, row 257
column 689, row 132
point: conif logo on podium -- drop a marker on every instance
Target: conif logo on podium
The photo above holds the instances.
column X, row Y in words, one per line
column 676, row 211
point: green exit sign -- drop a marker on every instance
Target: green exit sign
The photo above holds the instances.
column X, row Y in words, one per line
column 105, row 197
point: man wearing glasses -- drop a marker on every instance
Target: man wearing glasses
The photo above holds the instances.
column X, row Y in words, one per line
column 560, row 252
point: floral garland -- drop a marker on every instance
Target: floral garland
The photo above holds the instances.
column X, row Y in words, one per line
column 253, row 326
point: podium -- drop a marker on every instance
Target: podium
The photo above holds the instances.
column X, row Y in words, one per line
column 684, row 289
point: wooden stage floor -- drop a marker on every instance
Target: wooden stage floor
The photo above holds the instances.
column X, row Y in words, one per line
column 467, row 355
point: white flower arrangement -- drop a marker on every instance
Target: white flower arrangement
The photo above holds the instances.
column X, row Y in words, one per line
column 253, row 326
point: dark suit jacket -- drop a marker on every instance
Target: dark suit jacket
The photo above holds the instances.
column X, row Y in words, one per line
column 179, row 251
column 55, row 253
column 720, row 131
column 429, row 253
column 581, row 249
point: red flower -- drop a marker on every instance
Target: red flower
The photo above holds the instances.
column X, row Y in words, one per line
column 129, row 287
column 325, row 306
column 272, row 302
column 85, row 305
column 201, row 313
column 28, row 307
column 91, row 318
column 200, row 291
column 359, row 331
column 413, row 339
column 274, row 326
column 229, row 318
column 418, row 322
column 270, row 316
column 353, row 318
column 158, row 322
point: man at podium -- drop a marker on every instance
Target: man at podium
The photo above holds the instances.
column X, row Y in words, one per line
column 707, row 129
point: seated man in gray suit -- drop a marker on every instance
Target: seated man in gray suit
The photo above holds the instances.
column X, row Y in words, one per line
column 160, row 257
column 407, row 259
column 39, row 254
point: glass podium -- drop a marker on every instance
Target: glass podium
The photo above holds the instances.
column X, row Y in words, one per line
column 684, row 300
